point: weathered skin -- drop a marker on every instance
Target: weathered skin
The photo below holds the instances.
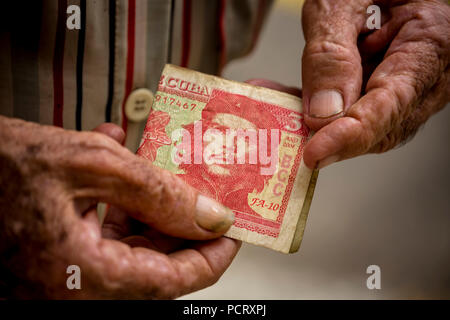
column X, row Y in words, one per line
column 50, row 180
column 392, row 80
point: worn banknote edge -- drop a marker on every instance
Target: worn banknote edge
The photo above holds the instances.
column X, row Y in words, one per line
column 301, row 225
column 294, row 222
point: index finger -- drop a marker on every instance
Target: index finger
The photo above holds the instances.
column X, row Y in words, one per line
column 120, row 271
column 110, row 173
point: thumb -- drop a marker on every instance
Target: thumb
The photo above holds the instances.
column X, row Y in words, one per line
column 331, row 64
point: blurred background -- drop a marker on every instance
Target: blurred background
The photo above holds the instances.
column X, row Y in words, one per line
column 391, row 210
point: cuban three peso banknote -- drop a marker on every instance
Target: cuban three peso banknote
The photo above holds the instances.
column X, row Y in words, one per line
column 239, row 144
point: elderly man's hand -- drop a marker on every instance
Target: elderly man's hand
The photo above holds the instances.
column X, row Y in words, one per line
column 370, row 90
column 50, row 182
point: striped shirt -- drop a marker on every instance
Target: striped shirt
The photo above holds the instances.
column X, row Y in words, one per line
column 80, row 78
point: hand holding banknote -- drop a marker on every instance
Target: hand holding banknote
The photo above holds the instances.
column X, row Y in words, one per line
column 370, row 90
column 51, row 180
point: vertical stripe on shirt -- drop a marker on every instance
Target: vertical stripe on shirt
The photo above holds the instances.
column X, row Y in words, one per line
column 96, row 64
column 25, row 35
column 186, row 45
column 80, row 61
column 135, row 129
column 199, row 28
column 130, row 58
column 70, row 74
column 58, row 62
column 262, row 9
column 176, row 36
column 204, row 36
column 120, row 60
column 158, row 39
column 140, row 36
column 222, row 36
column 171, row 28
column 46, row 61
column 112, row 57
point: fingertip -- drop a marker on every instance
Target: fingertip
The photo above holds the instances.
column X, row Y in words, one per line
column 328, row 161
column 213, row 216
column 315, row 161
column 309, row 157
column 112, row 130
column 319, row 147
column 325, row 143
column 341, row 139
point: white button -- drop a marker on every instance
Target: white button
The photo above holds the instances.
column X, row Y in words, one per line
column 138, row 105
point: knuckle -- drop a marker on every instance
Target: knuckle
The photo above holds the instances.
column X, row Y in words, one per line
column 100, row 142
column 423, row 12
column 365, row 136
column 172, row 286
column 393, row 101
column 170, row 195
column 428, row 25
column 330, row 61
column 387, row 112
column 331, row 49
column 431, row 12
column 108, row 267
column 90, row 150
column 110, row 279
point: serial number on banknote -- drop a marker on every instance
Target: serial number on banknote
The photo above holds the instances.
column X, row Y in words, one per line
column 175, row 102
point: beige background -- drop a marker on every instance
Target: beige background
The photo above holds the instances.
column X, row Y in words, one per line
column 391, row 210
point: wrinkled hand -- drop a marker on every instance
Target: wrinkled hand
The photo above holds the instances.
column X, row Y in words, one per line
column 368, row 91
column 50, row 182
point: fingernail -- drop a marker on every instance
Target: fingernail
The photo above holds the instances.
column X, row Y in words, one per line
column 213, row 216
column 327, row 161
column 326, row 104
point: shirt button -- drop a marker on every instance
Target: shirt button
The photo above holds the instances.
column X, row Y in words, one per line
column 138, row 105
